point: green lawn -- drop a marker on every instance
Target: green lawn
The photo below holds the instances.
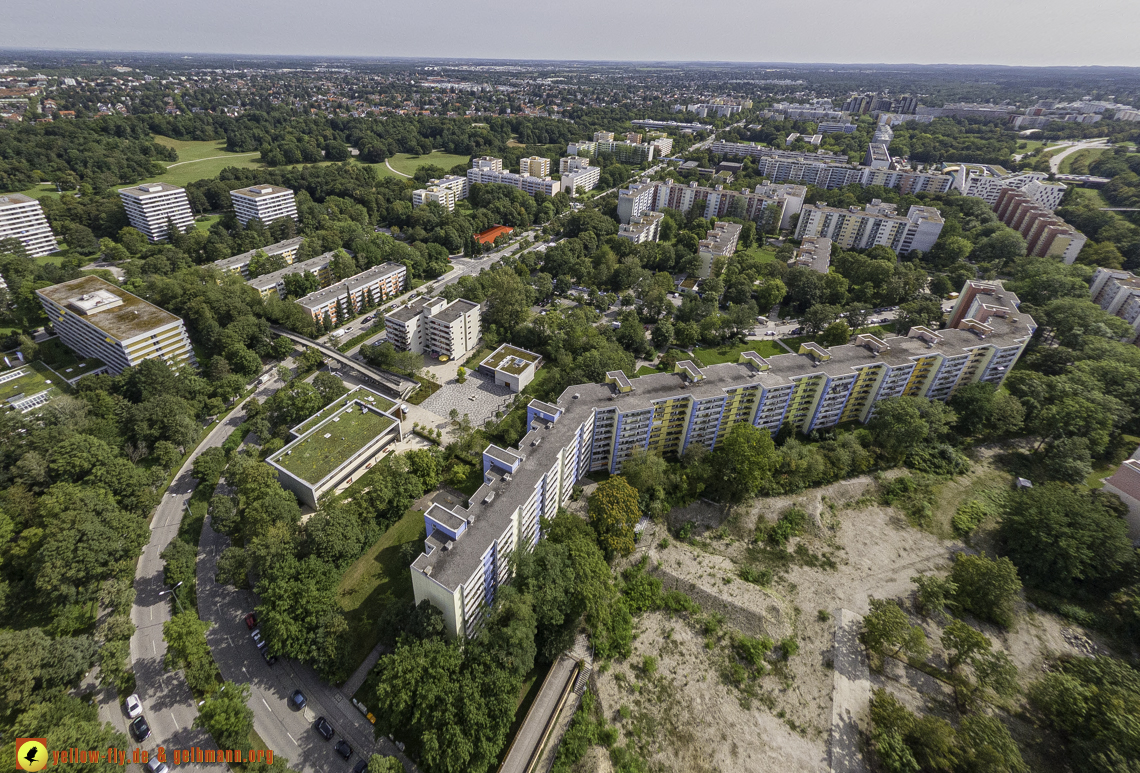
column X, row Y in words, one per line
column 765, row 254
column 1088, row 156
column 201, row 160
column 719, row 354
column 378, row 578
column 408, row 164
column 204, row 222
column 646, row 370
column 1093, row 197
column 1030, row 146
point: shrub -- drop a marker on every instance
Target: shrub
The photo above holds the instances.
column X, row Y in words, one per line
column 969, row 516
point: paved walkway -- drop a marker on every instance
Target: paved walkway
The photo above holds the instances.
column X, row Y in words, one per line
column 851, row 695
column 541, row 713
column 353, row 683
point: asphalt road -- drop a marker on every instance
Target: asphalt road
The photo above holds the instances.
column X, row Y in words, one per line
column 1056, row 158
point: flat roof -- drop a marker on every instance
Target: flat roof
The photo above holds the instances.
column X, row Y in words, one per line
column 510, row 359
column 328, row 445
column 14, row 199
column 132, row 318
column 375, row 399
column 260, row 191
column 149, row 189
column 271, row 279
column 272, row 249
column 455, row 310
column 29, row 379
column 410, row 310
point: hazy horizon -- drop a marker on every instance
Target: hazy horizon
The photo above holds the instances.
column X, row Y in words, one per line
column 1018, row 33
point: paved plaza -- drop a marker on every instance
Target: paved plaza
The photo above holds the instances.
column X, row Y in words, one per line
column 479, row 397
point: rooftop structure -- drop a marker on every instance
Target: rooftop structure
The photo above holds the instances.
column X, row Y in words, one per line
column 1125, row 483
column 336, row 444
column 875, row 224
column 152, row 207
column 595, row 427
column 29, row 386
column 643, row 228
column 813, row 253
column 263, row 202
column 95, row 318
column 878, row 157
column 239, row 264
column 22, row 218
column 511, row 366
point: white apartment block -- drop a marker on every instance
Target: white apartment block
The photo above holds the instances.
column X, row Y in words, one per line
column 719, row 242
column 97, row 319
column 434, row 326
column 151, row 206
column 1118, row 293
column 263, row 202
column 979, row 183
column 578, row 175
column 445, row 191
column 876, row 224
column 624, row 152
column 596, row 427
column 813, row 253
column 766, row 204
column 534, row 166
column 488, row 174
column 239, row 264
column 349, row 297
column 642, row 229
column 22, row 218
column 487, row 163
column 664, row 146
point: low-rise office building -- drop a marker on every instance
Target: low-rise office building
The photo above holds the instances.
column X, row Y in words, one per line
column 643, row 228
column 1046, row 235
column 95, row 318
column 511, row 366
column 347, row 298
column 263, row 202
column 720, row 242
column 152, row 207
column 337, row 444
column 22, row 218
column 875, row 224
column 596, row 427
column 434, row 326
column 239, row 264
column 1118, row 293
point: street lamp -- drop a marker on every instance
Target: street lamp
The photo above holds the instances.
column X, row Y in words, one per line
column 172, row 593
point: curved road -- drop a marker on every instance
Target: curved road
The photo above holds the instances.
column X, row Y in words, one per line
column 1055, row 159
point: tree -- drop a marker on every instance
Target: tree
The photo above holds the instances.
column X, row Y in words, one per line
column 988, row 746
column 1063, row 539
column 963, row 643
column 378, row 763
column 745, row 459
column 887, row 630
column 185, row 637
column 837, row 333
column 281, row 348
column 342, row 265
column 329, row 387
column 613, row 514
column 227, row 717
column 898, row 427
column 508, row 637
column 508, row 298
column 662, row 334
column 460, row 375
column 209, row 464
column 987, row 588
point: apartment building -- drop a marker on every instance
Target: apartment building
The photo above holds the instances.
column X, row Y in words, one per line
column 534, row 166
column 445, row 191
column 878, row 157
column 643, row 228
column 22, row 218
column 979, row 183
column 1046, row 235
column 488, row 170
column 274, row 283
column 95, row 318
column 813, row 253
column 876, row 224
column 720, row 242
column 624, row 152
column 239, row 264
column 836, row 127
column 151, row 207
column 263, row 202
column 767, row 204
column 663, row 146
column 434, row 326
column 349, row 297
column 596, row 427
column 578, row 175
column 1118, row 293
column 1125, row 483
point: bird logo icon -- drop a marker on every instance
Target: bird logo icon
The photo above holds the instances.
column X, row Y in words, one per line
column 31, row 754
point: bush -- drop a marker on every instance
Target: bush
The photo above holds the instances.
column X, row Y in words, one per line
column 761, row 577
column 790, row 524
column 969, row 516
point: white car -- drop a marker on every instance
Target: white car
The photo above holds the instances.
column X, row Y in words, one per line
column 134, row 706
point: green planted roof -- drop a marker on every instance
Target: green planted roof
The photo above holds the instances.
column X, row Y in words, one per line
column 313, row 457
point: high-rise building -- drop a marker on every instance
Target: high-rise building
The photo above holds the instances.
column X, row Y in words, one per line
column 643, row 228
column 720, row 242
column 596, row 427
column 624, row 152
column 444, row 191
column 434, row 326
column 578, row 175
column 488, row 170
column 1046, row 235
column 876, row 224
column 263, row 202
column 769, row 205
column 22, row 218
column 534, row 166
column 1118, row 293
column 95, row 318
column 152, row 207
column 977, row 182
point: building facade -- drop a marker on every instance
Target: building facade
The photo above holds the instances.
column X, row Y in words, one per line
column 1046, row 235
column 534, row 166
column 596, row 427
column 263, row 202
column 274, row 283
column 720, row 242
column 347, row 298
column 97, row 319
column 444, row 191
column 151, row 207
column 488, row 170
column 239, row 264
column 22, row 218
column 769, row 205
column 875, row 224
column 643, row 228
column 578, row 175
column 1118, row 293
column 434, row 326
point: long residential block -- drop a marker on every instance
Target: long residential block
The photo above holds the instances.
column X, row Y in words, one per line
column 263, row 202
column 875, row 224
column 22, row 218
column 273, row 283
column 1046, row 235
column 596, row 427
column 239, row 264
column 349, row 297
column 766, row 204
column 487, row 170
column 152, row 207
column 95, row 318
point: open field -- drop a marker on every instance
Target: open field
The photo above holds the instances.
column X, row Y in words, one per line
column 201, row 160
column 408, row 163
column 765, row 254
column 1086, row 157
column 377, row 579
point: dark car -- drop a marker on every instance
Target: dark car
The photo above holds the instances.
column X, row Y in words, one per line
column 343, row 749
column 360, row 766
column 140, row 729
column 323, row 727
column 269, row 659
column 299, row 699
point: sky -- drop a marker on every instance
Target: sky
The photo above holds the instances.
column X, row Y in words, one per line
column 1009, row 32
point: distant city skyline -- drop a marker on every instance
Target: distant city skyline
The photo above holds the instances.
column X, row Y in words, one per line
column 1010, row 32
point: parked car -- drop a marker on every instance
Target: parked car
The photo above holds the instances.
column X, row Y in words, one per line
column 251, row 621
column 134, row 706
column 299, row 699
column 269, row 659
column 343, row 749
column 323, row 727
column 154, row 766
column 140, row 729
column 360, row 766
column 256, row 636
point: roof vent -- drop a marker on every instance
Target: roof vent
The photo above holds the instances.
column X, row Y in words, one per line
column 427, row 570
column 487, row 499
column 577, row 395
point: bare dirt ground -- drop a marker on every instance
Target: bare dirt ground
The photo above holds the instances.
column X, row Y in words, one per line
column 689, row 716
